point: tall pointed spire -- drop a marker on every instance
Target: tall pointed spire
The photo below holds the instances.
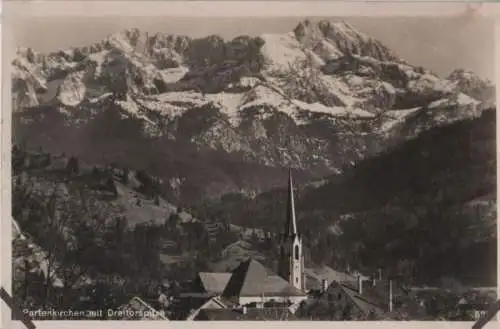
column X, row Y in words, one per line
column 291, row 223
column 291, row 266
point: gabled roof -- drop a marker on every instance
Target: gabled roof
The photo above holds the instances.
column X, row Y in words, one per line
column 380, row 292
column 251, row 278
column 212, row 303
column 214, row 282
column 140, row 310
column 317, row 274
column 252, row 314
column 328, row 307
column 364, row 304
column 406, row 303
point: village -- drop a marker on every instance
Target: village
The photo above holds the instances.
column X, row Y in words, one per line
column 293, row 292
column 251, row 289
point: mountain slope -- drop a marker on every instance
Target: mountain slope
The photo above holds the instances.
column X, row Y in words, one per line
column 414, row 204
column 317, row 99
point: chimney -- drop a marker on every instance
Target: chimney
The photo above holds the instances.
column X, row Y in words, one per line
column 324, row 285
column 377, row 277
column 360, row 285
column 390, row 296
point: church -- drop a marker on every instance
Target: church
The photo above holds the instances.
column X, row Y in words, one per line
column 252, row 284
column 252, row 287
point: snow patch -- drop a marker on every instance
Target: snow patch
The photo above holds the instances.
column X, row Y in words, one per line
column 97, row 60
column 460, row 99
column 72, row 91
column 396, row 117
column 174, row 74
column 282, row 49
column 229, row 104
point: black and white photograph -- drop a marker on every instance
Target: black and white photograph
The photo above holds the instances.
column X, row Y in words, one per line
column 302, row 168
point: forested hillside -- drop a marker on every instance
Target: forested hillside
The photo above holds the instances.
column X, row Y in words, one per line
column 425, row 209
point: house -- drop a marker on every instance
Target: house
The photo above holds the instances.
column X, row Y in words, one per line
column 202, row 292
column 317, row 276
column 252, row 284
column 246, row 314
column 392, row 297
column 187, row 308
column 340, row 302
column 136, row 309
column 214, row 303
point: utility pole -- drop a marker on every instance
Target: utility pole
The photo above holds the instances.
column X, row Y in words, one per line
column 390, row 296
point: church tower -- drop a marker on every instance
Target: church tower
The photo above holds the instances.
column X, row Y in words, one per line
column 291, row 265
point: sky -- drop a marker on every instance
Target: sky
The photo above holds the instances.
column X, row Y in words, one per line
column 439, row 44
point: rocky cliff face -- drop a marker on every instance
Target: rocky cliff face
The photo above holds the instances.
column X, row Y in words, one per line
column 317, row 99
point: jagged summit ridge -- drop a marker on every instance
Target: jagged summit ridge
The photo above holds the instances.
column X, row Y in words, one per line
column 344, row 37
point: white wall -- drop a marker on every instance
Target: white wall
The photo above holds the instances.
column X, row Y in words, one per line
column 258, row 299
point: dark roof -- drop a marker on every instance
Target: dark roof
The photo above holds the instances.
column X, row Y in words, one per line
column 212, row 303
column 251, row 278
column 404, row 303
column 380, row 292
column 314, row 277
column 252, row 314
column 363, row 303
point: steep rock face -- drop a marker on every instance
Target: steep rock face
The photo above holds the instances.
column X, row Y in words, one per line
column 470, row 84
column 318, row 99
column 344, row 39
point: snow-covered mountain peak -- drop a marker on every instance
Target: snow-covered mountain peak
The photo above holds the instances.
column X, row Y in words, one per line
column 343, row 38
column 471, row 84
column 129, row 41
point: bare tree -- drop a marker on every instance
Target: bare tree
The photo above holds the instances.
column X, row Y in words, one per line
column 66, row 233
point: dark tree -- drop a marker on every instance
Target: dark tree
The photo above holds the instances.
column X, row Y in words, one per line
column 111, row 186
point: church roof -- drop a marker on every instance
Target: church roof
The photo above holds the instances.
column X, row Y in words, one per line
column 251, row 278
column 214, row 282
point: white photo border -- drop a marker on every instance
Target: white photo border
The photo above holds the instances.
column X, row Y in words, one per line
column 15, row 9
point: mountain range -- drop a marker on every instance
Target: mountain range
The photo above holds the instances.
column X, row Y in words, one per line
column 213, row 117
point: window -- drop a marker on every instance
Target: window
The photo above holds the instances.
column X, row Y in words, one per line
column 296, row 252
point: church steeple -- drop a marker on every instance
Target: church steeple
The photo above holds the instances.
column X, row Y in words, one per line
column 291, row 259
column 291, row 222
